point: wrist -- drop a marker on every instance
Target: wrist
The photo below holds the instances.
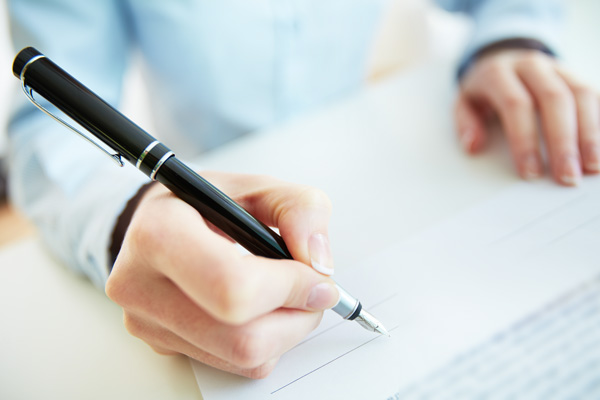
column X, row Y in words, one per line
column 123, row 221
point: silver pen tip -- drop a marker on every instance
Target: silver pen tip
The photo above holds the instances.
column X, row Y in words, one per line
column 371, row 323
column 381, row 329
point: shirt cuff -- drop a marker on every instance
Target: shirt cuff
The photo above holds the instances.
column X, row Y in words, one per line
column 513, row 43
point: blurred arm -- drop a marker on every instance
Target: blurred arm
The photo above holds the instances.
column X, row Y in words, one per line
column 71, row 191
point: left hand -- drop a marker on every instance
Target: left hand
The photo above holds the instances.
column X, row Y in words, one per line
column 518, row 86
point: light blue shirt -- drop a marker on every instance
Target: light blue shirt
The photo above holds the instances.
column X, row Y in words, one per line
column 215, row 71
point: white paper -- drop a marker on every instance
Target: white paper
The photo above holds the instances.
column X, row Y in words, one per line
column 440, row 294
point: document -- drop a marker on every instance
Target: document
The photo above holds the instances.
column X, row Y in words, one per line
column 507, row 289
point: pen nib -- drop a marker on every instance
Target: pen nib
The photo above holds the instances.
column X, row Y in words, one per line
column 370, row 323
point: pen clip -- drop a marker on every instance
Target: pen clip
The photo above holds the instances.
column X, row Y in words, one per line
column 29, row 93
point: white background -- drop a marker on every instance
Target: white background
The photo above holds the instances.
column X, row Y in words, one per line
column 582, row 55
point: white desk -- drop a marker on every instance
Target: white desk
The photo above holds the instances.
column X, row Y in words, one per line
column 390, row 163
column 391, row 147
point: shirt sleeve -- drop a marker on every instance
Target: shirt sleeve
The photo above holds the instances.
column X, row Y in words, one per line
column 72, row 192
column 498, row 20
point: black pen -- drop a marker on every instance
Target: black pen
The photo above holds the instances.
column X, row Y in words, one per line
column 158, row 162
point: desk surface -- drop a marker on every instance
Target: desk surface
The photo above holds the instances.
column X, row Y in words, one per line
column 390, row 147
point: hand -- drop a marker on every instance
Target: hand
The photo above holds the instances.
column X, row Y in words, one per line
column 517, row 86
column 185, row 288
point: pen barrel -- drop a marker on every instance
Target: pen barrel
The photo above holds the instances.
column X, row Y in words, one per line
column 148, row 155
column 81, row 104
column 221, row 211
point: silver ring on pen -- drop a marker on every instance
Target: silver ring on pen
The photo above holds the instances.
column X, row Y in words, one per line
column 145, row 153
column 159, row 164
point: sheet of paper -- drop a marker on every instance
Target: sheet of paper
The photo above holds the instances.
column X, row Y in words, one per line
column 441, row 294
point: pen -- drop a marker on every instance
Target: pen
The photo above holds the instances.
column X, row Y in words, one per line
column 159, row 163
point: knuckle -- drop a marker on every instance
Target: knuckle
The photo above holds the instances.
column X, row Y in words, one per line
column 515, row 101
column 260, row 372
column 111, row 289
column 249, row 349
column 233, row 294
column 121, row 290
column 589, row 141
column 258, row 182
column 555, row 93
column 493, row 69
column 313, row 197
column 133, row 325
column 534, row 58
column 261, row 180
column 307, row 199
column 582, row 91
column 163, row 351
column 114, row 289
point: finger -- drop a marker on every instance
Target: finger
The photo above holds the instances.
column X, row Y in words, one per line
column 163, row 351
column 301, row 213
column 210, row 270
column 166, row 342
column 257, row 342
column 558, row 117
column 469, row 125
column 588, row 118
column 245, row 346
column 512, row 102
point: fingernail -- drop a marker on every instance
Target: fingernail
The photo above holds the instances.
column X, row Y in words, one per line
column 320, row 254
column 592, row 163
column 571, row 171
column 466, row 139
column 532, row 168
column 322, row 296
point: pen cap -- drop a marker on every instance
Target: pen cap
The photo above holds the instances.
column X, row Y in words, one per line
column 22, row 59
column 87, row 109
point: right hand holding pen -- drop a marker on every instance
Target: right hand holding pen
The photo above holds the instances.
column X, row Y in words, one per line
column 185, row 288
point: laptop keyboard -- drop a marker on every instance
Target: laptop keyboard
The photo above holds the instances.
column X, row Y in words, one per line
column 553, row 354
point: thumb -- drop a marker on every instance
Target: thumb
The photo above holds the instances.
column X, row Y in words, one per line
column 301, row 213
column 304, row 227
column 470, row 126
